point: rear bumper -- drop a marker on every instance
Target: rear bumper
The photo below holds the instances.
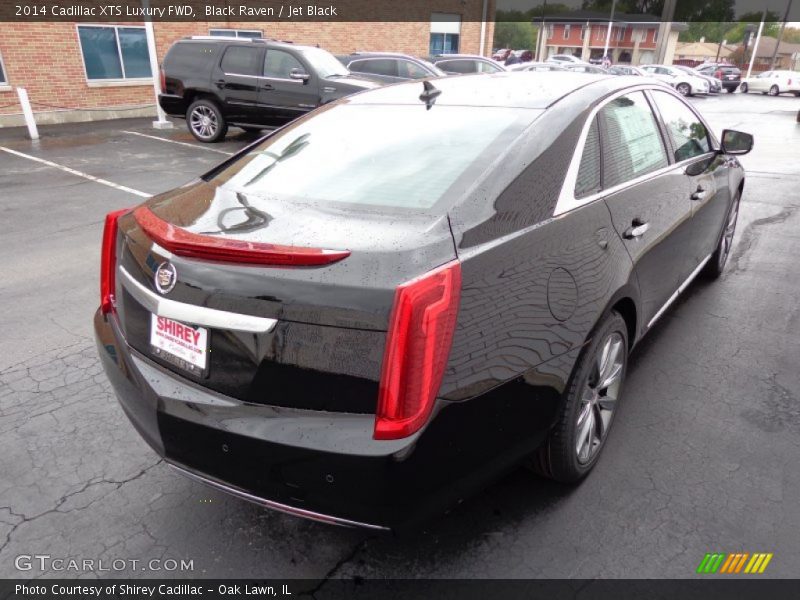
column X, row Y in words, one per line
column 730, row 85
column 319, row 465
column 174, row 106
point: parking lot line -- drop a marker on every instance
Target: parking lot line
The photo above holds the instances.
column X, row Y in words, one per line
column 195, row 146
column 78, row 173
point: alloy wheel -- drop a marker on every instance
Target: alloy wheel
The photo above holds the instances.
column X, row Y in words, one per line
column 599, row 399
column 727, row 236
column 773, row 91
column 204, row 122
column 683, row 89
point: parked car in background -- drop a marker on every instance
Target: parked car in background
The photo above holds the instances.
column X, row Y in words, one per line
column 729, row 75
column 566, row 58
column 460, row 64
column 773, row 83
column 584, row 68
column 626, row 70
column 252, row 83
column 314, row 325
column 389, row 67
column 685, row 83
column 502, row 54
column 536, row 66
column 714, row 83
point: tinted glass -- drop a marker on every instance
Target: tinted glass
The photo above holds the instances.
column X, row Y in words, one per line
column 458, row 66
column 241, row 60
column 100, row 54
column 588, row 180
column 391, row 156
column 487, row 67
column 135, row 56
column 632, row 144
column 376, row 66
column 189, row 56
column 688, row 135
column 279, row 64
column 323, row 62
column 410, row 70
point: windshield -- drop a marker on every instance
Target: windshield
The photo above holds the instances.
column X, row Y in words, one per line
column 401, row 156
column 433, row 67
column 324, row 63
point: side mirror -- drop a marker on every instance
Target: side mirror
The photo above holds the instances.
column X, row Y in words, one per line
column 299, row 75
column 736, row 142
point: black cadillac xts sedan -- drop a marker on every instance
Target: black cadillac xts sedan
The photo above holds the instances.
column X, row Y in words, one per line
column 384, row 305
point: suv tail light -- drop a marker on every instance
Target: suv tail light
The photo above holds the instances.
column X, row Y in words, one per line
column 718, row 74
column 221, row 249
column 163, row 80
column 418, row 344
column 108, row 261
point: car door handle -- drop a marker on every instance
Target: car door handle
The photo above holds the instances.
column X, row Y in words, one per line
column 267, row 86
column 220, row 83
column 699, row 194
column 637, row 229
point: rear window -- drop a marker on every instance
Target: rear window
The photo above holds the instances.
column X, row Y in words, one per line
column 377, row 155
column 190, row 56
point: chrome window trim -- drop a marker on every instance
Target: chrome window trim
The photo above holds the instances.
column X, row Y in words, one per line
column 566, row 199
column 189, row 313
column 679, row 291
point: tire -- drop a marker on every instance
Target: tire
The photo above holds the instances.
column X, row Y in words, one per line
column 774, row 91
column 729, row 90
column 716, row 264
column 744, row 88
column 205, row 121
column 797, row 94
column 684, row 89
column 568, row 454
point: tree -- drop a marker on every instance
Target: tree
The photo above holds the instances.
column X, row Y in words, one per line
column 515, row 34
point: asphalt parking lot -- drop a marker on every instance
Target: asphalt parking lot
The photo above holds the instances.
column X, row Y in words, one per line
column 703, row 458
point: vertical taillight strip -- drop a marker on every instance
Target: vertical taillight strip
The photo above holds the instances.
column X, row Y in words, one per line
column 418, row 343
column 108, row 261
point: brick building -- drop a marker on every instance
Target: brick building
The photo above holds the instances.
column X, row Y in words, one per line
column 85, row 71
column 629, row 43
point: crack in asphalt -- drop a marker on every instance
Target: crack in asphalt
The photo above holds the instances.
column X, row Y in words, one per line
column 339, row 564
column 749, row 235
column 97, row 481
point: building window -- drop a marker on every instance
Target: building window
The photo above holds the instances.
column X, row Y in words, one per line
column 567, row 29
column 238, row 33
column 114, row 52
column 3, row 78
column 620, row 34
column 445, row 33
column 583, row 32
column 655, row 35
column 549, row 32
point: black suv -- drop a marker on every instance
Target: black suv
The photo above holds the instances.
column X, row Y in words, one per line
column 729, row 75
column 251, row 83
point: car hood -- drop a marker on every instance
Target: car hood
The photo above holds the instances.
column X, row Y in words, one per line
column 354, row 81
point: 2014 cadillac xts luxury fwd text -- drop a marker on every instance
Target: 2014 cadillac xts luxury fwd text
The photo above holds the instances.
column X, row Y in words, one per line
column 381, row 307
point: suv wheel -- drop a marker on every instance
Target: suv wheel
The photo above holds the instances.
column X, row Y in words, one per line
column 589, row 405
column 684, row 89
column 774, row 91
column 744, row 88
column 716, row 263
column 205, row 121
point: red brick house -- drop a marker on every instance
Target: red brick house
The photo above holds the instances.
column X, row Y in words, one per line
column 75, row 71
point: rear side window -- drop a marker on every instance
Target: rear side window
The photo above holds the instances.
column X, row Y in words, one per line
column 279, row 64
column 588, row 181
column 396, row 156
column 458, row 66
column 487, row 67
column 376, row 66
column 189, row 57
column 687, row 133
column 242, row 60
column 631, row 140
column 409, row 70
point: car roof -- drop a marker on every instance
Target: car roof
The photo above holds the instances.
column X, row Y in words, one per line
column 224, row 39
column 521, row 89
column 443, row 56
column 354, row 55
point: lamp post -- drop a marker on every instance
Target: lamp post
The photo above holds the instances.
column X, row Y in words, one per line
column 161, row 122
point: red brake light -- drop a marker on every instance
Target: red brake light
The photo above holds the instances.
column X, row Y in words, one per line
column 108, row 261
column 222, row 249
column 718, row 74
column 418, row 344
column 163, row 81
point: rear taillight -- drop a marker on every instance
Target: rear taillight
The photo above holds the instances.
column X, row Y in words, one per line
column 108, row 261
column 718, row 74
column 163, row 78
column 223, row 249
column 417, row 349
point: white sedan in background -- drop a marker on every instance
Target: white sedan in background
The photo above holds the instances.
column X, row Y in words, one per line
column 686, row 84
column 773, row 83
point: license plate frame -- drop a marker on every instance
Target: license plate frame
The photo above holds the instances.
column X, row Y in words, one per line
column 180, row 344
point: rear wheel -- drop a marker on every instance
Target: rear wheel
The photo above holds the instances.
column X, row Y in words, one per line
column 590, row 403
column 744, row 88
column 729, row 90
column 774, row 91
column 684, row 89
column 205, row 121
column 716, row 264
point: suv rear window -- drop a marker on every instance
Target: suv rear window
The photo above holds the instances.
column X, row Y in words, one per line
column 377, row 155
column 190, row 56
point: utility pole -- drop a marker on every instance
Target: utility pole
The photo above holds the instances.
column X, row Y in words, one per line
column 780, row 35
column 161, row 122
column 608, row 31
column 667, row 15
column 758, row 39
